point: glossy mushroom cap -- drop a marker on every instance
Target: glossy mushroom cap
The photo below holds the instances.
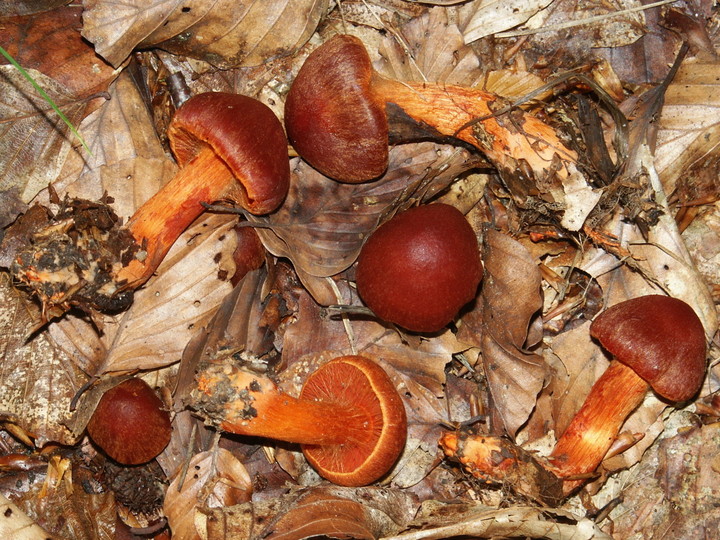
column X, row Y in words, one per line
column 331, row 117
column 661, row 339
column 246, row 135
column 130, row 423
column 360, row 385
column 419, row 268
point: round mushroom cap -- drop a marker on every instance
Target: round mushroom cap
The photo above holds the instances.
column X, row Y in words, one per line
column 130, row 423
column 419, row 268
column 332, row 119
column 246, row 135
column 358, row 383
column 659, row 337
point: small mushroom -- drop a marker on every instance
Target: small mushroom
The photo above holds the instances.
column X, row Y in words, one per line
column 349, row 419
column 130, row 423
column 229, row 147
column 656, row 342
column 420, row 267
column 337, row 111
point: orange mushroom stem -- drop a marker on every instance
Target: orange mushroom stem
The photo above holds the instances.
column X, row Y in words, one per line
column 349, row 419
column 229, row 147
column 657, row 342
column 339, row 115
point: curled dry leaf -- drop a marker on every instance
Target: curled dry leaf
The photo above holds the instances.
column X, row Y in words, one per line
column 511, row 299
column 322, row 224
column 224, row 34
column 319, row 511
column 492, row 16
column 213, row 479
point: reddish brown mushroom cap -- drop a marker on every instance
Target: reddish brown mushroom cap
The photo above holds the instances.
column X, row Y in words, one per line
column 331, row 117
column 130, row 423
column 361, row 385
column 661, row 339
column 419, row 268
column 246, row 135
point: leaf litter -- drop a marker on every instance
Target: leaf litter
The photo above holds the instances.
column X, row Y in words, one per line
column 560, row 241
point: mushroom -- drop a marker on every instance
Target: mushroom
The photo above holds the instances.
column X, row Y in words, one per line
column 656, row 342
column 337, row 109
column 419, row 268
column 130, row 423
column 229, row 147
column 349, row 419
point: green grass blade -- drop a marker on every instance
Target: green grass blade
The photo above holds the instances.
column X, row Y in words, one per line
column 45, row 97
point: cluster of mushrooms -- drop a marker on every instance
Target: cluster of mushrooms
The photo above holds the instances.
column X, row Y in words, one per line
column 417, row 270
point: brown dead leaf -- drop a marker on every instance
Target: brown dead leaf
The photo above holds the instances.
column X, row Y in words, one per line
column 189, row 286
column 50, row 42
column 34, row 139
column 213, row 479
column 511, row 300
column 492, row 16
column 322, row 224
column 226, row 34
column 38, row 379
column 321, row 511
column 689, row 136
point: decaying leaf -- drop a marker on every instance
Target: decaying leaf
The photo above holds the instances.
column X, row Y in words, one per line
column 225, row 34
column 492, row 16
column 511, row 299
column 38, row 379
column 214, row 478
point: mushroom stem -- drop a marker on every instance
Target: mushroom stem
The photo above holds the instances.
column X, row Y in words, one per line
column 587, row 439
column 455, row 111
column 255, row 407
column 158, row 223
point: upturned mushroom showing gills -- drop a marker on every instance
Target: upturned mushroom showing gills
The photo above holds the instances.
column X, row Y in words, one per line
column 349, row 419
column 419, row 268
column 656, row 342
column 340, row 114
column 229, row 147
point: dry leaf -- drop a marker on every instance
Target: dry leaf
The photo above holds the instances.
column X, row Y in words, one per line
column 488, row 17
column 511, row 299
column 689, row 134
column 189, row 286
column 38, row 379
column 322, row 224
column 213, row 479
column 226, row 34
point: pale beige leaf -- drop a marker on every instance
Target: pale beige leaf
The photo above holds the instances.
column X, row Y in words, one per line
column 183, row 296
column 33, row 138
column 488, row 17
column 14, row 523
column 430, row 49
column 115, row 27
column 689, row 134
column 213, row 479
column 128, row 161
column 37, row 379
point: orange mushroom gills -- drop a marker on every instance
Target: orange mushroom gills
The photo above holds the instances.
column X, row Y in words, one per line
column 420, row 268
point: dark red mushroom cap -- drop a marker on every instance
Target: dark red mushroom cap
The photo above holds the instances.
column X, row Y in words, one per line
column 331, row 117
column 358, row 384
column 246, row 135
column 130, row 423
column 661, row 339
column 419, row 268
